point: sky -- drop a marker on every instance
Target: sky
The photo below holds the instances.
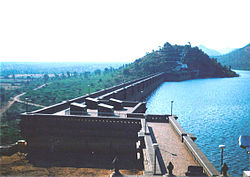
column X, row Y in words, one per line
column 116, row 30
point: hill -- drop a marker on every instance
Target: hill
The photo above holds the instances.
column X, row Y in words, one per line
column 209, row 52
column 237, row 59
column 178, row 59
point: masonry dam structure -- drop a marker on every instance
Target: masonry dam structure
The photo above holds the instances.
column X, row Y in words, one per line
column 112, row 123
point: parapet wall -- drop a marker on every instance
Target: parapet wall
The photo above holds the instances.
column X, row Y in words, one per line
column 74, row 133
column 65, row 122
column 194, row 150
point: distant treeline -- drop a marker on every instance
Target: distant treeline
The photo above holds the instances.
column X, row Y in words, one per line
column 10, row 68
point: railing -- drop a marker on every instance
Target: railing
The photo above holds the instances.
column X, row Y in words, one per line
column 157, row 118
column 136, row 115
column 177, row 127
column 194, row 150
column 79, row 118
column 200, row 157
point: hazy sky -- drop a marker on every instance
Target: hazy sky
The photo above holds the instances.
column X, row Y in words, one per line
column 104, row 30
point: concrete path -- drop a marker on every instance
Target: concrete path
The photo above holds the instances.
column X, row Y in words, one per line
column 171, row 148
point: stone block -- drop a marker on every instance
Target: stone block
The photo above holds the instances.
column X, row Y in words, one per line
column 91, row 103
column 105, row 110
column 78, row 109
column 195, row 171
column 116, row 103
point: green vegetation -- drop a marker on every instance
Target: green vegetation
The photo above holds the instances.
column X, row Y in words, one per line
column 65, row 88
column 175, row 59
column 237, row 59
column 59, row 88
column 22, row 68
column 23, row 85
column 9, row 130
column 68, row 84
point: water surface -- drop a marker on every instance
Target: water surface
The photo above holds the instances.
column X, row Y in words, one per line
column 216, row 111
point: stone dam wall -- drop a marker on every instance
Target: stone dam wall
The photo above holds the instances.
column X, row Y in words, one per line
column 136, row 90
column 130, row 91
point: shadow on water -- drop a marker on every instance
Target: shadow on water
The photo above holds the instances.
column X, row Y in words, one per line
column 82, row 160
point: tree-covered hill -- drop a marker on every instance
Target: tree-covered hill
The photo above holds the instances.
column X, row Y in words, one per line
column 178, row 59
column 237, row 59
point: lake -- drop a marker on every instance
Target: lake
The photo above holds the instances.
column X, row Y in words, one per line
column 215, row 110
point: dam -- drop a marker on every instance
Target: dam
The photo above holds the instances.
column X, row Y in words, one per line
column 112, row 123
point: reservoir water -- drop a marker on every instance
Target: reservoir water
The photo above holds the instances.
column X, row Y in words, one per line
column 216, row 111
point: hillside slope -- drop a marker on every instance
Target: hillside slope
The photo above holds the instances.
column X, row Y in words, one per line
column 178, row 59
column 209, row 52
column 237, row 59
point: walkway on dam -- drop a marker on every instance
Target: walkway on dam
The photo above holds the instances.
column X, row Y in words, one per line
column 171, row 148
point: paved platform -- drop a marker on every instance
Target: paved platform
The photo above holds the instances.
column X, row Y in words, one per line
column 171, row 148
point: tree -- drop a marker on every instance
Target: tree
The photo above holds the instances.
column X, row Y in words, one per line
column 75, row 74
column 86, row 74
column 28, row 80
column 97, row 72
column 106, row 70
column 111, row 69
column 56, row 76
column 13, row 76
column 126, row 71
column 63, row 76
column 68, row 73
column 46, row 77
column 117, row 80
column 3, row 95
